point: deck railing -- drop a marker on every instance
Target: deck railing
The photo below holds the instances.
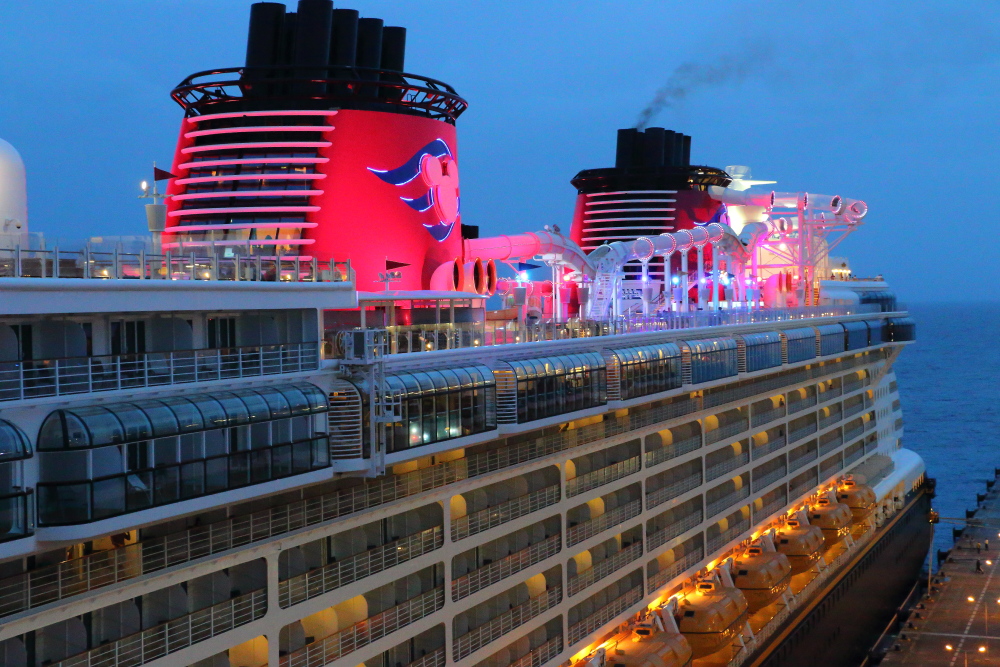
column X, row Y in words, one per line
column 719, row 469
column 362, row 633
column 604, row 568
column 673, row 490
column 174, row 635
column 672, row 451
column 597, row 525
column 487, row 575
column 727, row 501
column 541, row 655
column 508, row 621
column 768, row 478
column 39, row 378
column 726, row 431
column 341, row 573
column 491, row 517
column 769, row 446
column 765, row 416
column 602, row 476
column 605, row 614
column 660, row 537
column 675, row 569
column 714, row 543
column 799, row 461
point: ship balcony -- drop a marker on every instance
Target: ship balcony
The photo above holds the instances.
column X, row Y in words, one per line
column 853, row 405
column 871, row 443
column 802, row 455
column 802, row 484
column 767, row 410
column 500, row 615
column 801, row 428
column 594, row 470
column 319, row 567
column 898, row 424
column 604, row 606
column 603, row 513
column 802, row 398
column 727, row 459
column 333, row 633
column 772, row 502
column 725, row 495
column 604, row 559
column 831, row 465
column 896, row 405
column 830, row 441
column 853, row 429
column 728, row 529
column 426, row 649
column 674, row 562
column 854, row 452
column 854, row 381
column 482, row 509
column 876, row 468
column 869, row 421
column 532, row 650
column 672, row 442
column 158, row 623
column 673, row 483
column 673, row 523
column 725, row 425
column 769, row 441
column 828, row 389
column 494, row 561
column 830, row 415
column 767, row 474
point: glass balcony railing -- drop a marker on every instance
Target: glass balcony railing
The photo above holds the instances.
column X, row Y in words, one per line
column 717, row 470
column 768, row 478
column 799, row 461
column 672, row 451
column 761, row 417
column 727, row 501
column 514, row 508
column 726, row 431
column 799, row 433
column 675, row 569
column 354, row 568
column 673, row 490
column 769, row 508
column 496, row 571
column 768, row 447
column 363, row 633
column 39, row 378
column 731, row 533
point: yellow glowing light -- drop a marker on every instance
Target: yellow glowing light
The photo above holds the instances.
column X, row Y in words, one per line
column 982, row 649
column 948, row 647
column 971, row 599
column 989, row 562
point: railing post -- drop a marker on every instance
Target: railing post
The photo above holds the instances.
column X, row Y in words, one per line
column 115, row 265
column 142, row 264
column 55, row 262
column 86, row 260
column 193, row 275
column 17, row 261
column 169, row 261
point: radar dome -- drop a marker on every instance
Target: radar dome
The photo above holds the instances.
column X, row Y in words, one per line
column 13, row 192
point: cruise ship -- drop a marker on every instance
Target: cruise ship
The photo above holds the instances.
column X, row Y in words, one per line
column 305, row 422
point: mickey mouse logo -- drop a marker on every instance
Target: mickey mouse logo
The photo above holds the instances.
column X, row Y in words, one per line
column 438, row 171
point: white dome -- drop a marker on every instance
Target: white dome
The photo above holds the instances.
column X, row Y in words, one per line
column 13, row 191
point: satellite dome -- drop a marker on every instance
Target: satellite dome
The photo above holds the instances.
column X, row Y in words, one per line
column 13, row 191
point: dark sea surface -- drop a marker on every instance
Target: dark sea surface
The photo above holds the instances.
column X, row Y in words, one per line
column 948, row 385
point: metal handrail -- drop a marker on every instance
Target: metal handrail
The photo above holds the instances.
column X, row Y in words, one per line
column 508, row 566
column 541, row 655
column 728, row 534
column 604, row 568
column 723, row 432
column 660, row 537
column 39, row 378
column 672, row 451
column 675, row 569
column 671, row 491
column 766, row 416
column 769, row 508
column 771, row 446
column 719, row 469
column 768, row 478
column 611, row 518
column 602, row 476
column 491, row 517
column 727, row 501
column 341, row 573
column 605, row 614
column 362, row 633
column 500, row 625
column 174, row 635
column 799, row 461
column 801, row 432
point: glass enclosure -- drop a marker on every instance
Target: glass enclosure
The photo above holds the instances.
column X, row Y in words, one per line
column 763, row 350
column 831, row 339
column 649, row 369
column 712, row 359
column 801, row 344
column 550, row 386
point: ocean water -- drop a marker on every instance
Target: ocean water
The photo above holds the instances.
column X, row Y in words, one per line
column 948, row 386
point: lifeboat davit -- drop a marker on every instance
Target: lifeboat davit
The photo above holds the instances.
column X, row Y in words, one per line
column 762, row 576
column 860, row 498
column 801, row 543
column 711, row 617
column 834, row 519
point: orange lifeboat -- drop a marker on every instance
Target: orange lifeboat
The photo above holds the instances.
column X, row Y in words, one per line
column 834, row 519
column 860, row 498
column 801, row 543
column 711, row 617
column 651, row 647
column 762, row 576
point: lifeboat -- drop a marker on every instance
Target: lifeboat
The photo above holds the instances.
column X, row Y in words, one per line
column 860, row 498
column 650, row 647
column 834, row 519
column 801, row 543
column 712, row 617
column 762, row 576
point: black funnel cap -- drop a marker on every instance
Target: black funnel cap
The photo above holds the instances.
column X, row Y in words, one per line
column 653, row 147
column 312, row 41
column 344, row 38
column 627, row 140
column 393, row 48
column 264, row 36
column 370, row 43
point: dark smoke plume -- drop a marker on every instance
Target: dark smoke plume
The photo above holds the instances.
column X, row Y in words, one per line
column 691, row 76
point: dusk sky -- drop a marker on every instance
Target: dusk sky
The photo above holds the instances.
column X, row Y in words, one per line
column 894, row 103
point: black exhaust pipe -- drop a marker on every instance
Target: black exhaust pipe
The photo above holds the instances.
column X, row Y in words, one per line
column 369, row 52
column 264, row 39
column 653, row 146
column 393, row 48
column 344, row 38
column 627, row 139
column 670, row 139
column 312, row 44
column 686, row 151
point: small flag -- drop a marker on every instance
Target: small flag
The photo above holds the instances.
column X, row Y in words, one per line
column 161, row 175
column 390, row 265
column 524, row 266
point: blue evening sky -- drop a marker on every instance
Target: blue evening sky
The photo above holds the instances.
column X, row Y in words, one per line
column 891, row 102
